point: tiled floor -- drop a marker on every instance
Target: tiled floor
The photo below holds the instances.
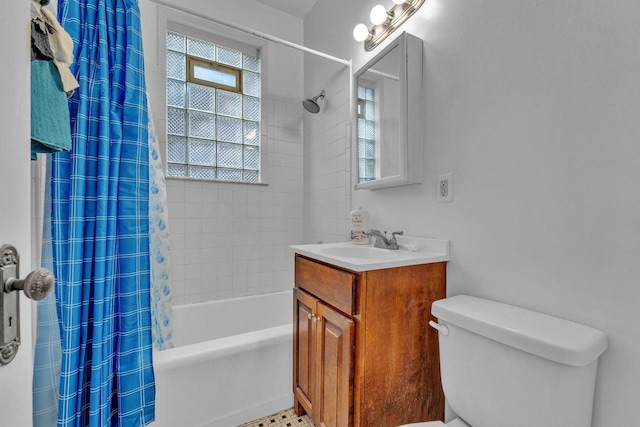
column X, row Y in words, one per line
column 286, row 418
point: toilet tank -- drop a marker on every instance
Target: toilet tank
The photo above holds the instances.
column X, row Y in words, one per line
column 504, row 366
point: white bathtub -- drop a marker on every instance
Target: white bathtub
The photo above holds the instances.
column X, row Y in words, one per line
column 232, row 362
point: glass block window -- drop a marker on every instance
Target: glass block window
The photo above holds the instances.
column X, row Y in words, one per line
column 366, row 134
column 213, row 111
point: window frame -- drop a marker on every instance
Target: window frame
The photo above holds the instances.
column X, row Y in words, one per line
column 170, row 20
column 193, row 61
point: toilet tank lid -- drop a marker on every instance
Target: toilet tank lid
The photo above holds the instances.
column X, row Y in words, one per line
column 556, row 339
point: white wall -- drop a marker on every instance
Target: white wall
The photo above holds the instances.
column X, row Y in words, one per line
column 228, row 239
column 534, row 107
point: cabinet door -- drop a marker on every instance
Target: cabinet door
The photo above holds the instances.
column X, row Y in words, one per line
column 335, row 363
column 304, row 351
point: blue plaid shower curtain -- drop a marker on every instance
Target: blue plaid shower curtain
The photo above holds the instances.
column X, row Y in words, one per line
column 100, row 223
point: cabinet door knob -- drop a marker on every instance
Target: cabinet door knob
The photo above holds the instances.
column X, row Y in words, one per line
column 309, row 316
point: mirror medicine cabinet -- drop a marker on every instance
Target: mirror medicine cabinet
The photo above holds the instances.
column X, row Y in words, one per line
column 388, row 111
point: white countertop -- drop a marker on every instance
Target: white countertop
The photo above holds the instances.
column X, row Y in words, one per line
column 413, row 251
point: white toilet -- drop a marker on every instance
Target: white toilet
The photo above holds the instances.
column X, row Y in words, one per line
column 504, row 366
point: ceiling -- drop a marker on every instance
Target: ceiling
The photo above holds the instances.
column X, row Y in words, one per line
column 297, row 8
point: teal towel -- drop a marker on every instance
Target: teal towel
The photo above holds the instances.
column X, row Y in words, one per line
column 50, row 127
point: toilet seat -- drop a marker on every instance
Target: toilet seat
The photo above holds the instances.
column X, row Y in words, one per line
column 453, row 423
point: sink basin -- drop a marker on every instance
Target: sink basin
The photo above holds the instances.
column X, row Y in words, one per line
column 360, row 252
column 364, row 258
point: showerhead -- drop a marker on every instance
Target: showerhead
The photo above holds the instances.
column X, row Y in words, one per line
column 311, row 105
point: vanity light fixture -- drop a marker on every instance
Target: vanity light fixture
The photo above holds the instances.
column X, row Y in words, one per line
column 385, row 22
column 378, row 14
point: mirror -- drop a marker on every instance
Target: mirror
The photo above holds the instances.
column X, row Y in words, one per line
column 388, row 111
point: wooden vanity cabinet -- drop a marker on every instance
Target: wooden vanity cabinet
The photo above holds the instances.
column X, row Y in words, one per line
column 363, row 353
column 324, row 368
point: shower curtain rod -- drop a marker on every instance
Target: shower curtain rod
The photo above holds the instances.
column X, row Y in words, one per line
column 265, row 36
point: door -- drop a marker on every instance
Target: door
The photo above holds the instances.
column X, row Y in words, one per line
column 304, row 351
column 335, row 364
column 15, row 215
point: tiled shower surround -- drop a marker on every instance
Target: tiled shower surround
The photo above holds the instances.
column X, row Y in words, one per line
column 327, row 157
column 231, row 240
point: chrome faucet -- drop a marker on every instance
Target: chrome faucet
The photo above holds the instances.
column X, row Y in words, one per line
column 381, row 241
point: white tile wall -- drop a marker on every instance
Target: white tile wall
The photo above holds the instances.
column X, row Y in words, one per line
column 230, row 240
column 327, row 160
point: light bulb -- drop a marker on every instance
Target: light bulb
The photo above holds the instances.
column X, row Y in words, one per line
column 398, row 1
column 360, row 32
column 378, row 15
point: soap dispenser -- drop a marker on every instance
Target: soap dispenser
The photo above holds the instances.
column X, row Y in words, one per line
column 359, row 227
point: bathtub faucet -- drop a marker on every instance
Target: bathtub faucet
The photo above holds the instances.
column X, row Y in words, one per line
column 381, row 241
